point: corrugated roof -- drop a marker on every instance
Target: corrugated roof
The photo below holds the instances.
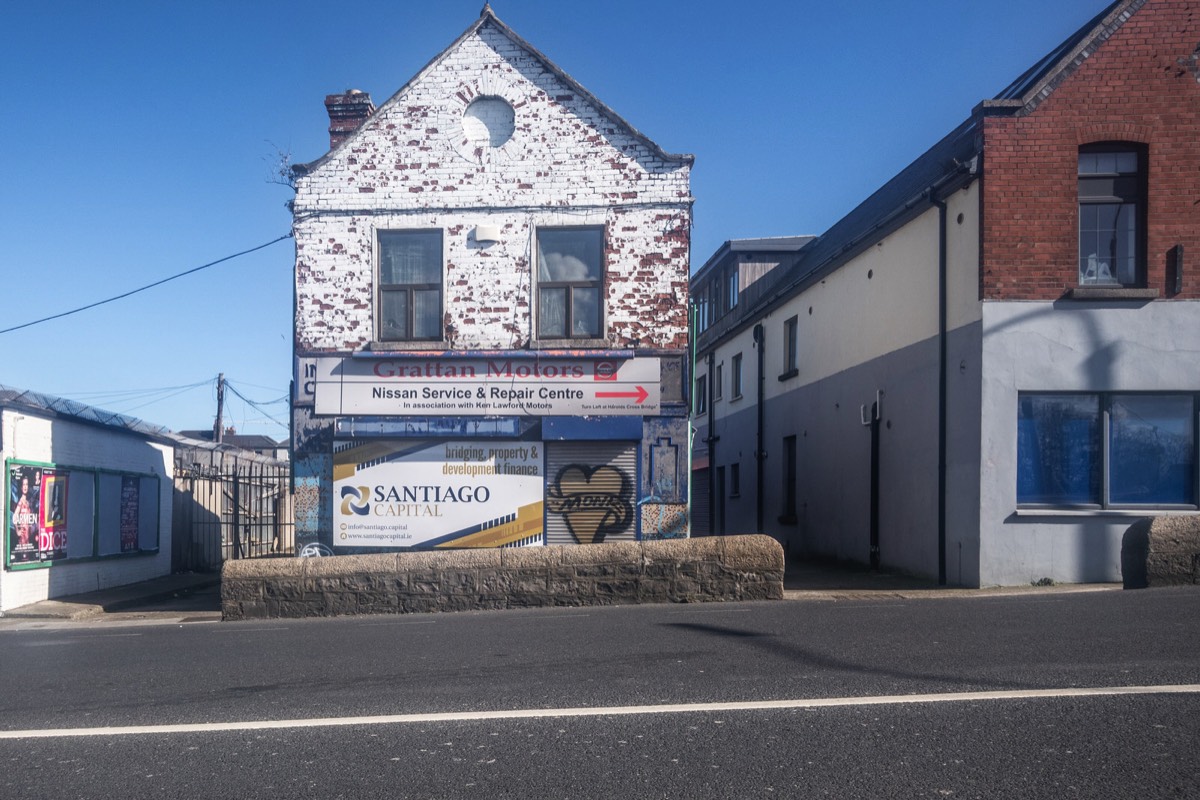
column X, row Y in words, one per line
column 62, row 407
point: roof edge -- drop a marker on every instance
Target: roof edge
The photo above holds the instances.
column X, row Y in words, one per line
column 1034, row 85
column 684, row 158
column 488, row 16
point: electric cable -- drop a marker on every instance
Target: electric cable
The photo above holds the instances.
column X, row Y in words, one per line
column 287, row 235
column 252, row 404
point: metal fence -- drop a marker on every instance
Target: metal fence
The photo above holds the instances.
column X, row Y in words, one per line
column 229, row 505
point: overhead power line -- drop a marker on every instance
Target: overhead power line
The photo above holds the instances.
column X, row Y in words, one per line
column 144, row 288
column 256, row 406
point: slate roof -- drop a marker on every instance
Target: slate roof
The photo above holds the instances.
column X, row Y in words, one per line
column 951, row 162
column 1038, row 81
column 768, row 244
column 246, row 441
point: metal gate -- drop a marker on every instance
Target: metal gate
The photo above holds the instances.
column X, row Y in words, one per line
column 229, row 505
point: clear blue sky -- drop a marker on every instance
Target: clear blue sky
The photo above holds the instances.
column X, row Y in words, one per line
column 139, row 137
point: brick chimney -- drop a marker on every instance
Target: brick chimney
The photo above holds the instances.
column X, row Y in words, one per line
column 346, row 113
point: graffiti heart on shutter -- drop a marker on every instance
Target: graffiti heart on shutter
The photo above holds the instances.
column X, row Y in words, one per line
column 593, row 500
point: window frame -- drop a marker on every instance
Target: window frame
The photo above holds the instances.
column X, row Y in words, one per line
column 718, row 380
column 791, row 348
column 700, row 396
column 1135, row 193
column 790, row 475
column 735, row 376
column 735, row 479
column 599, row 284
column 1103, row 445
column 410, row 289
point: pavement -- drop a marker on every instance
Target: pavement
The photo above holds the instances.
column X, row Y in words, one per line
column 196, row 597
column 188, row 596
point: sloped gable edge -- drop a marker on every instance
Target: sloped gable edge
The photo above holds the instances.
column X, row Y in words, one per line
column 488, row 17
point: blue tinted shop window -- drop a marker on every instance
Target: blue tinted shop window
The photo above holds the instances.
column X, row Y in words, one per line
column 1152, row 450
column 1058, row 450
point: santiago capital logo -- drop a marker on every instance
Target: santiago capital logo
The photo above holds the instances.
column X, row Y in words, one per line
column 355, row 500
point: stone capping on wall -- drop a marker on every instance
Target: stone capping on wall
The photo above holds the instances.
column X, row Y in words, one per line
column 1161, row 551
column 617, row 573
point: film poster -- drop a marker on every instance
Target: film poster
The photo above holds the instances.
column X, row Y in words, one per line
column 37, row 502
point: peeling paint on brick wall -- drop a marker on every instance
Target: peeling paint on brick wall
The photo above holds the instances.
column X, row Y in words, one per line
column 414, row 165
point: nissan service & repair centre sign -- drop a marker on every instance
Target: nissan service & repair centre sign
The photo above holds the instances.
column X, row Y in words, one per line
column 487, row 386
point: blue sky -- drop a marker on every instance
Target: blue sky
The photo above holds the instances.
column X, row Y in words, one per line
column 139, row 139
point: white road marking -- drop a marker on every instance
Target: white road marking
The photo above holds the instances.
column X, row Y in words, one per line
column 609, row 711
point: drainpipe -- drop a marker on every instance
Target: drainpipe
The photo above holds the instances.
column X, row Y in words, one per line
column 942, row 386
column 760, row 453
column 711, row 441
column 873, row 424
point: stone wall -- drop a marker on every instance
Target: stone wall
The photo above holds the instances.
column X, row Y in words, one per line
column 1161, row 551
column 683, row 571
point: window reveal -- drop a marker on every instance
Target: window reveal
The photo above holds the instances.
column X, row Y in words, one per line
column 1112, row 181
column 1107, row 450
column 410, row 285
column 570, row 283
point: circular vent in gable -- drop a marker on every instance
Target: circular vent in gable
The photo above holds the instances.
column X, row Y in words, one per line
column 488, row 122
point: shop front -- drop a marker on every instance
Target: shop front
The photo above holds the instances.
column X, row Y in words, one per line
column 460, row 451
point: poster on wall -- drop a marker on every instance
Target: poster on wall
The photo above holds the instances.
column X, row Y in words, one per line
column 37, row 514
column 130, row 485
column 445, row 494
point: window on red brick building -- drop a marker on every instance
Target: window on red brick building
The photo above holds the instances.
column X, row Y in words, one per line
column 1112, row 206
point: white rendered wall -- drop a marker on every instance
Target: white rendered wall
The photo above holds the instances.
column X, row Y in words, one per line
column 873, row 326
column 1065, row 346
column 71, row 444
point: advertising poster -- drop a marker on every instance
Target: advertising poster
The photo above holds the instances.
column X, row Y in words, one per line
column 32, row 537
column 54, row 502
column 130, row 485
column 447, row 494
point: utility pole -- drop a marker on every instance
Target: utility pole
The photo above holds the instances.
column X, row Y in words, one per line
column 219, row 425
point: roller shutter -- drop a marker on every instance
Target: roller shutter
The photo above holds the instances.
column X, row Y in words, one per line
column 591, row 492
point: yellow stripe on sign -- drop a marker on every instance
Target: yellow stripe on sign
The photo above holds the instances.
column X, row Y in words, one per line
column 528, row 523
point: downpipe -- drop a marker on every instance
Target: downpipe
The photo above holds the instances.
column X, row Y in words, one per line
column 760, row 453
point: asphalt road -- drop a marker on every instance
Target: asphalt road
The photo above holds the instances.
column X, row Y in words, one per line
column 540, row 702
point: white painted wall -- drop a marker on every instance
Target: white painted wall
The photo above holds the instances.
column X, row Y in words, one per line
column 873, row 325
column 66, row 444
column 412, row 165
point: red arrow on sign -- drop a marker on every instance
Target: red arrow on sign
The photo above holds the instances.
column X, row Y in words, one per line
column 641, row 394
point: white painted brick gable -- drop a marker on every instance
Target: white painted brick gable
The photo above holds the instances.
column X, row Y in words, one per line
column 569, row 162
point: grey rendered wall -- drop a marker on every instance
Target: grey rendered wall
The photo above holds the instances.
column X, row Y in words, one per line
column 1068, row 346
column 834, row 455
column 964, row 471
